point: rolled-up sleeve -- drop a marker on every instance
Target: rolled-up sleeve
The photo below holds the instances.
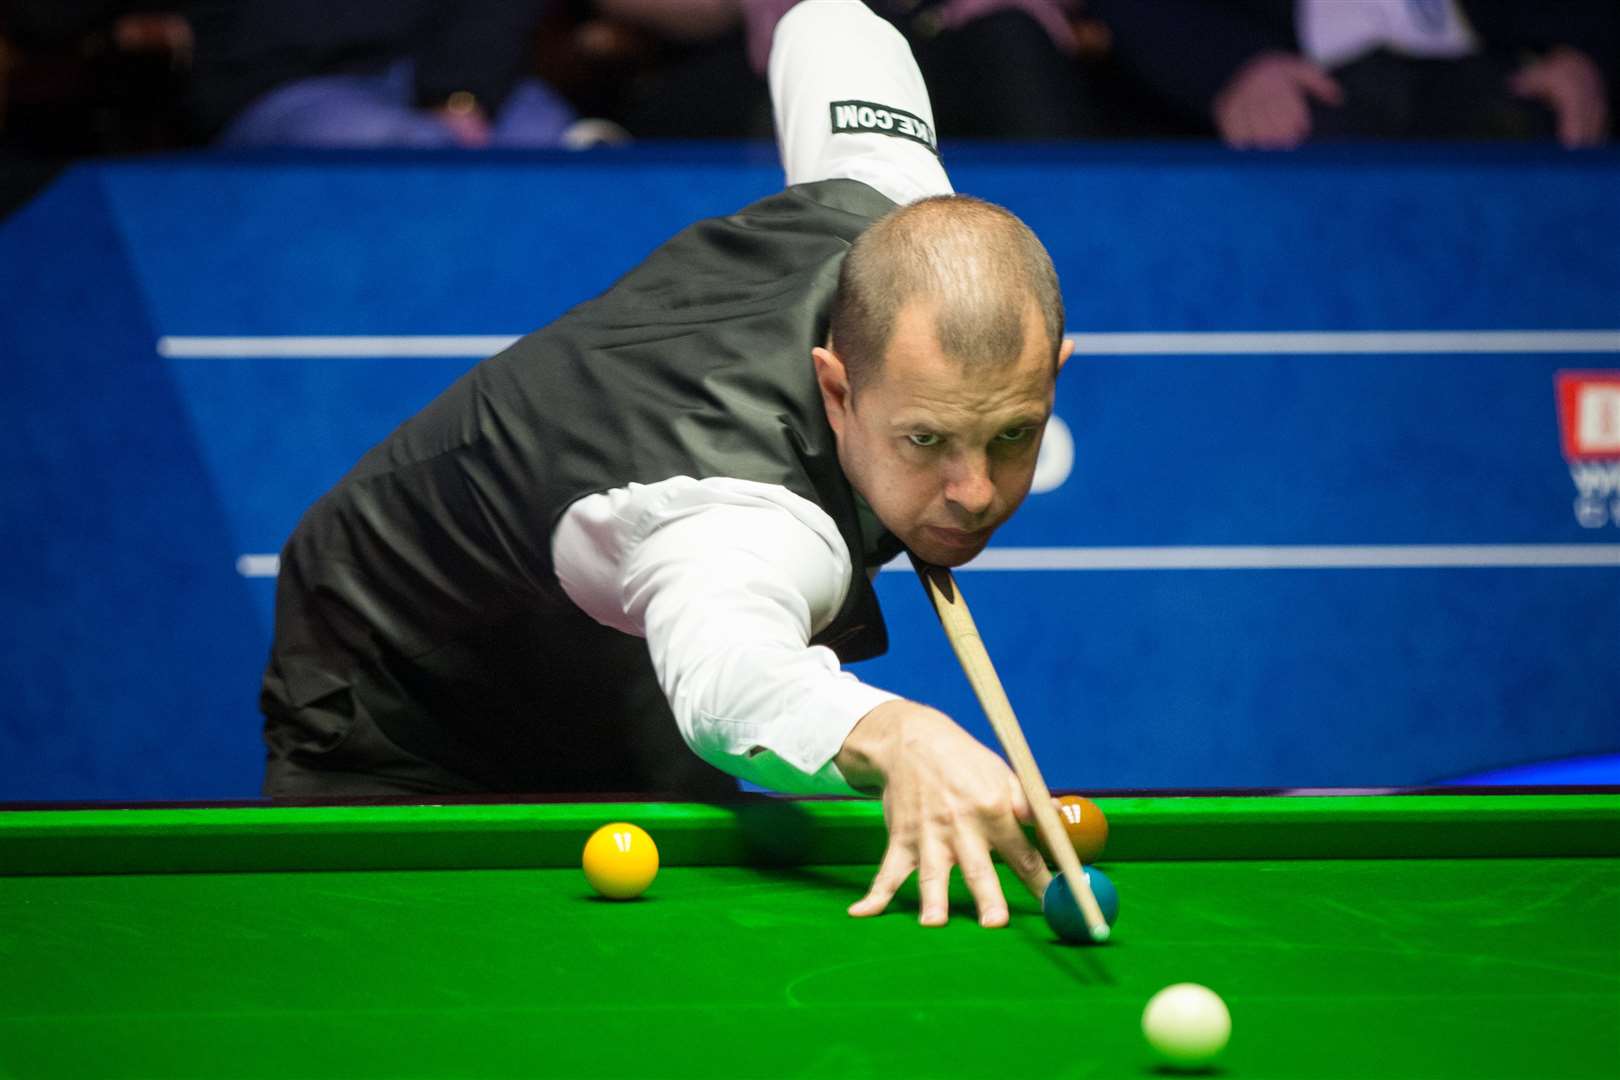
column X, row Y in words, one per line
column 850, row 102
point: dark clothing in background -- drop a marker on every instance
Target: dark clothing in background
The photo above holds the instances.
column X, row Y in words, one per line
column 1399, row 97
column 1187, row 50
column 248, row 47
column 81, row 77
column 1001, row 77
column 55, row 22
column 997, row 76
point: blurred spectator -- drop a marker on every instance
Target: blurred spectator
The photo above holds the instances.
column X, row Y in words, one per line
column 688, row 72
column 994, row 68
column 997, row 69
column 1274, row 73
column 85, row 77
column 366, row 73
column 92, row 76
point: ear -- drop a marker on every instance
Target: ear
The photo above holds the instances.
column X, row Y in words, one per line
column 834, row 383
column 1065, row 351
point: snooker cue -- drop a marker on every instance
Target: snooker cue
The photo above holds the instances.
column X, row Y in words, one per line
column 963, row 635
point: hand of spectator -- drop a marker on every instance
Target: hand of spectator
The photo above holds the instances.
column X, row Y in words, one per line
column 467, row 121
column 161, row 32
column 1265, row 104
column 1568, row 82
column 947, row 801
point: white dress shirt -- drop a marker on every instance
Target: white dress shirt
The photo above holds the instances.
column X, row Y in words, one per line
column 729, row 579
column 1335, row 32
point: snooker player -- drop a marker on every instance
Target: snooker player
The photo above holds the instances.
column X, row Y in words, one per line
column 656, row 519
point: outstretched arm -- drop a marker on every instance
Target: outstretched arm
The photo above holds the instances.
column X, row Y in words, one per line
column 728, row 580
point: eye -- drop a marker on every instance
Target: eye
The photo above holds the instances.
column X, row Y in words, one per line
column 923, row 438
column 1015, row 435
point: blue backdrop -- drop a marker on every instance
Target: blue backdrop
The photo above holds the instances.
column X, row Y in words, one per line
column 149, row 470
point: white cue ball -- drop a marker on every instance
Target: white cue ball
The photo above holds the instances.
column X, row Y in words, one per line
column 1187, row 1024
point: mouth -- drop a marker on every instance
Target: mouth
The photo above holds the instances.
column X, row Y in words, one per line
column 957, row 539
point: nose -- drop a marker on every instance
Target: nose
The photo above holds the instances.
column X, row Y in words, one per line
column 968, row 485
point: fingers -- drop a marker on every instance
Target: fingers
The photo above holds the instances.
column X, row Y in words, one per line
column 1267, row 105
column 933, row 862
column 1287, row 122
column 1582, row 115
column 1231, row 129
column 1318, row 83
column 934, row 881
column 965, row 848
column 1272, row 125
column 947, row 801
column 1021, row 810
column 1540, row 82
column 1023, row 857
column 985, row 885
column 1574, row 124
column 1581, row 118
column 1569, row 84
column 898, row 862
column 1599, row 129
column 1531, row 82
column 933, row 856
column 1287, row 113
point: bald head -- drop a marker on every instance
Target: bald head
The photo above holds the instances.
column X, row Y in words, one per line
column 975, row 265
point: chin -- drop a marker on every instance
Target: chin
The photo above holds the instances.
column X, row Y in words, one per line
column 947, row 556
column 958, row 558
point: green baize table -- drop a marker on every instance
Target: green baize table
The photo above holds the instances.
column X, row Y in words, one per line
column 1471, row 935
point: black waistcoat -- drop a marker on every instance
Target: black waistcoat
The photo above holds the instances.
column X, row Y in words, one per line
column 422, row 584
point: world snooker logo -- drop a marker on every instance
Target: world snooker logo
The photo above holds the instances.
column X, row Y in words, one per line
column 1589, row 420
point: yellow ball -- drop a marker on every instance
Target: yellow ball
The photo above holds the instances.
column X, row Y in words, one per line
column 621, row 860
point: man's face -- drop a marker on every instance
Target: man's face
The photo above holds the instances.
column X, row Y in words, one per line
column 942, row 454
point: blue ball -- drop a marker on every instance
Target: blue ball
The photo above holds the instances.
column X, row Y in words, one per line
column 1063, row 916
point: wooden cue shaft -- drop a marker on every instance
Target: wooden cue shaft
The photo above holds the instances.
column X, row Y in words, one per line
column 964, row 637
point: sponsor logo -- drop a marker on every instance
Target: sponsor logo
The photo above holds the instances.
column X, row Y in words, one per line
column 866, row 116
column 1589, row 421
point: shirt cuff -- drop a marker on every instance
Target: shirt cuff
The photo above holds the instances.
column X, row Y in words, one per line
column 797, row 757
